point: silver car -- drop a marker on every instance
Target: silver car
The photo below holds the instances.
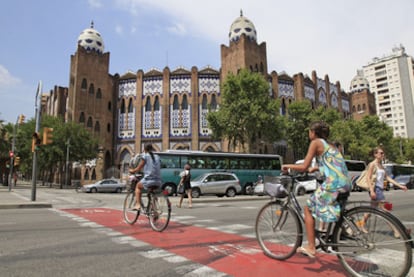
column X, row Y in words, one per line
column 105, row 185
column 218, row 183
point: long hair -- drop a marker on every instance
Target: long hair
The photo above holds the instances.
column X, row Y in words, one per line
column 149, row 149
column 321, row 129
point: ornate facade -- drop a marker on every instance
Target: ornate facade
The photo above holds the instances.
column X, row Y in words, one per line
column 169, row 108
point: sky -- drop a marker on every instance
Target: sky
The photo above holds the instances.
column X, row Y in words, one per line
column 332, row 37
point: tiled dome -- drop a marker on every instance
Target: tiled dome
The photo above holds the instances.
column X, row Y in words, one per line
column 242, row 25
column 91, row 40
column 359, row 82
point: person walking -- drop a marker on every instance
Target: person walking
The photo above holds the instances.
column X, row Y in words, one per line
column 322, row 203
column 185, row 182
column 151, row 164
column 376, row 175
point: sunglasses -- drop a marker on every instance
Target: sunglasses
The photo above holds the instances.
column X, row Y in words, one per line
column 381, row 153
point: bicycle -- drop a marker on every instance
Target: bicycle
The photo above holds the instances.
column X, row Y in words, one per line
column 359, row 246
column 157, row 207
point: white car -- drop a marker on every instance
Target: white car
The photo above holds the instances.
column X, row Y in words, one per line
column 218, row 183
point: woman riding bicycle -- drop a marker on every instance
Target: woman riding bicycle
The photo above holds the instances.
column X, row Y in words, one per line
column 322, row 203
column 151, row 164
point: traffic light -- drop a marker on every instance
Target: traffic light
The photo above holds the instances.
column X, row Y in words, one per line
column 47, row 135
column 21, row 119
column 17, row 161
column 36, row 141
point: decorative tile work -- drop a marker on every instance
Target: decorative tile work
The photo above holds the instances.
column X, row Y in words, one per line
column 345, row 105
column 334, row 101
column 286, row 89
column 322, row 97
column 310, row 93
column 152, row 86
column 209, row 84
column 151, row 127
column 127, row 88
column 203, row 123
column 180, row 123
column 320, row 84
column 180, row 84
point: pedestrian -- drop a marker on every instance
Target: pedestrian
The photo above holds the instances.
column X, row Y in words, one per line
column 322, row 203
column 376, row 175
column 15, row 178
column 185, row 182
column 151, row 165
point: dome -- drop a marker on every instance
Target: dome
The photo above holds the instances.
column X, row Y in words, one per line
column 91, row 40
column 359, row 82
column 242, row 25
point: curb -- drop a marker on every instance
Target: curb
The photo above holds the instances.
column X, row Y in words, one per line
column 25, row 205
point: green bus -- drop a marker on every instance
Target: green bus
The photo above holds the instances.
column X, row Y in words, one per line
column 247, row 167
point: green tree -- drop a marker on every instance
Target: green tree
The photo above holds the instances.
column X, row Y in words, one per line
column 297, row 127
column 247, row 113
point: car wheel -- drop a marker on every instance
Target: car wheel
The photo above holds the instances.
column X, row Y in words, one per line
column 118, row 190
column 171, row 189
column 94, row 190
column 195, row 193
column 301, row 191
column 231, row 192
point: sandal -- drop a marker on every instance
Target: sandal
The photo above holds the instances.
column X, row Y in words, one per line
column 305, row 251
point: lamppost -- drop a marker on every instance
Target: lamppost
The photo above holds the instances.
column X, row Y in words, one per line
column 37, row 114
column 67, row 162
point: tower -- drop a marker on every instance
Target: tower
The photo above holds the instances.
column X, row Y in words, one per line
column 362, row 100
column 91, row 98
column 243, row 50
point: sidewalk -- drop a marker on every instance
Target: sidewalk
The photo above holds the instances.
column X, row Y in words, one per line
column 12, row 200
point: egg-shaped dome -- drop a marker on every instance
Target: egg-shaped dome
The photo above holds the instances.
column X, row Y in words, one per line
column 91, row 40
column 242, row 25
column 359, row 82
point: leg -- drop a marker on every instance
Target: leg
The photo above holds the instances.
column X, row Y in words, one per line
column 310, row 231
column 138, row 193
column 190, row 200
column 180, row 202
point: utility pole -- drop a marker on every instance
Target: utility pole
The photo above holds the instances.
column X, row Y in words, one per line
column 37, row 114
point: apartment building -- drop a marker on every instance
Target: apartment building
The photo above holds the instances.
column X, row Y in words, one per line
column 391, row 79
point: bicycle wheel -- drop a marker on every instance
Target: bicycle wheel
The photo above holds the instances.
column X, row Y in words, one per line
column 159, row 212
column 378, row 247
column 130, row 216
column 278, row 230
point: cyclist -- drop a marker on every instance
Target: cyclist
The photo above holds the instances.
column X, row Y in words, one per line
column 151, row 164
column 322, row 203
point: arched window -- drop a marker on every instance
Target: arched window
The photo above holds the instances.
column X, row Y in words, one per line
column 91, row 89
column 108, row 128
column 156, row 104
column 283, row 107
column 93, row 174
column 82, row 118
column 364, row 107
column 86, row 176
column 99, row 94
column 148, row 105
column 89, row 124
column 84, row 85
column 184, row 104
column 204, row 103
column 122, row 106
column 97, row 127
column 213, row 102
column 109, row 106
column 175, row 103
column 359, row 107
column 130, row 106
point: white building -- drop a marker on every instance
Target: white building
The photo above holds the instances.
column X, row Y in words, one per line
column 391, row 79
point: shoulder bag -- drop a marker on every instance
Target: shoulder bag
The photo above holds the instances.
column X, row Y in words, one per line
column 362, row 180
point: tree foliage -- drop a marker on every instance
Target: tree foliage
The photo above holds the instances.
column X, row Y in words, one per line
column 247, row 113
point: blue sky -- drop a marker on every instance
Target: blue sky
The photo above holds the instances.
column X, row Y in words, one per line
column 334, row 37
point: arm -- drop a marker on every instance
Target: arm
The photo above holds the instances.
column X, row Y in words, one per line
column 312, row 152
column 389, row 179
column 138, row 168
column 370, row 181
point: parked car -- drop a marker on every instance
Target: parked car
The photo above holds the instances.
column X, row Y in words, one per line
column 405, row 180
column 105, row 185
column 218, row 183
column 308, row 182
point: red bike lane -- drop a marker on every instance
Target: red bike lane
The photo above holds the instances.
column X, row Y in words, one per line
column 228, row 253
